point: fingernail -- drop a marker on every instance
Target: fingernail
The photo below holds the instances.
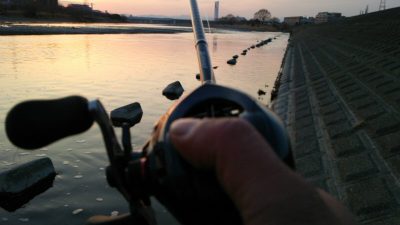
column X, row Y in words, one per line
column 182, row 127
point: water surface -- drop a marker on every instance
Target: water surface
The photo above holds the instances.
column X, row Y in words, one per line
column 118, row 70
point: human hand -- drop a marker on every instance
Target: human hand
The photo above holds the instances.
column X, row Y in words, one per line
column 261, row 186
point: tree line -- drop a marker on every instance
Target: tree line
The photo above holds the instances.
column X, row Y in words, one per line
column 262, row 16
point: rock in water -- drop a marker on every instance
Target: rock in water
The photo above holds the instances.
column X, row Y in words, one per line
column 232, row 62
column 22, row 183
column 173, row 91
column 261, row 92
column 235, row 56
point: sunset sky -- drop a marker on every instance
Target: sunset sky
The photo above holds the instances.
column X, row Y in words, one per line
column 278, row 8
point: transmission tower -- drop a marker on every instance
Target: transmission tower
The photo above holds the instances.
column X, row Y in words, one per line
column 382, row 5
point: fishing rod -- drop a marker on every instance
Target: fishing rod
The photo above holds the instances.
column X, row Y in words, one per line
column 190, row 195
column 206, row 69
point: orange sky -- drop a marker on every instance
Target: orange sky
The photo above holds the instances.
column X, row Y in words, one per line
column 246, row 8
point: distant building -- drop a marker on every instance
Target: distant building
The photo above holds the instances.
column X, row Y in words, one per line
column 293, row 20
column 216, row 11
column 298, row 20
column 80, row 7
column 324, row 17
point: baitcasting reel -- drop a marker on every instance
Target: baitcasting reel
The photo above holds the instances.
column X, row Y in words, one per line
column 192, row 196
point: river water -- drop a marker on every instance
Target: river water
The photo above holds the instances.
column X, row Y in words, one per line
column 118, row 70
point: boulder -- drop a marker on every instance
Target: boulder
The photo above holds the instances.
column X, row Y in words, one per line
column 232, row 62
column 261, row 92
column 174, row 90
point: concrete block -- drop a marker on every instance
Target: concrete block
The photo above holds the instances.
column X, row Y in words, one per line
column 303, row 113
column 369, row 75
column 340, row 78
column 320, row 91
column 374, row 78
column 304, row 122
column 327, row 101
column 385, row 124
column 301, row 102
column 338, row 130
column 333, row 70
column 371, row 112
column 347, row 146
column 370, row 197
column 301, row 94
column 22, row 183
column 305, row 147
column 335, row 118
column 390, row 144
column 320, row 85
column 347, row 84
column 324, row 95
column 394, row 67
column 350, row 89
column 355, row 167
column 391, row 220
column 394, row 163
column 310, row 165
column 383, row 83
column 305, row 106
column 305, row 133
column 391, row 88
column 356, row 95
column 360, row 69
column 363, row 103
column 329, row 109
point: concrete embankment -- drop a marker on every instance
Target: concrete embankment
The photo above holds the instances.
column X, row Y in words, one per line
column 339, row 97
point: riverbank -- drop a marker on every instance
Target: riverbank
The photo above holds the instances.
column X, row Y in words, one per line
column 24, row 29
column 339, row 96
column 42, row 26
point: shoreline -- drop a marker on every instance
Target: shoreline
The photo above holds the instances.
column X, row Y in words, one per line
column 25, row 26
column 52, row 30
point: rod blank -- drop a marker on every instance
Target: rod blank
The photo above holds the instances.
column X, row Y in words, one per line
column 206, row 69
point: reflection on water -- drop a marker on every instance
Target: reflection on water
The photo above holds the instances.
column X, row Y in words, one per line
column 215, row 43
column 117, row 69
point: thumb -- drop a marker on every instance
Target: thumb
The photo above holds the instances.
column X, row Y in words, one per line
column 213, row 143
column 261, row 186
column 238, row 154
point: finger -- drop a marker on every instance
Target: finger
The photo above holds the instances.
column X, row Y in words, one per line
column 209, row 143
column 247, row 168
column 233, row 148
